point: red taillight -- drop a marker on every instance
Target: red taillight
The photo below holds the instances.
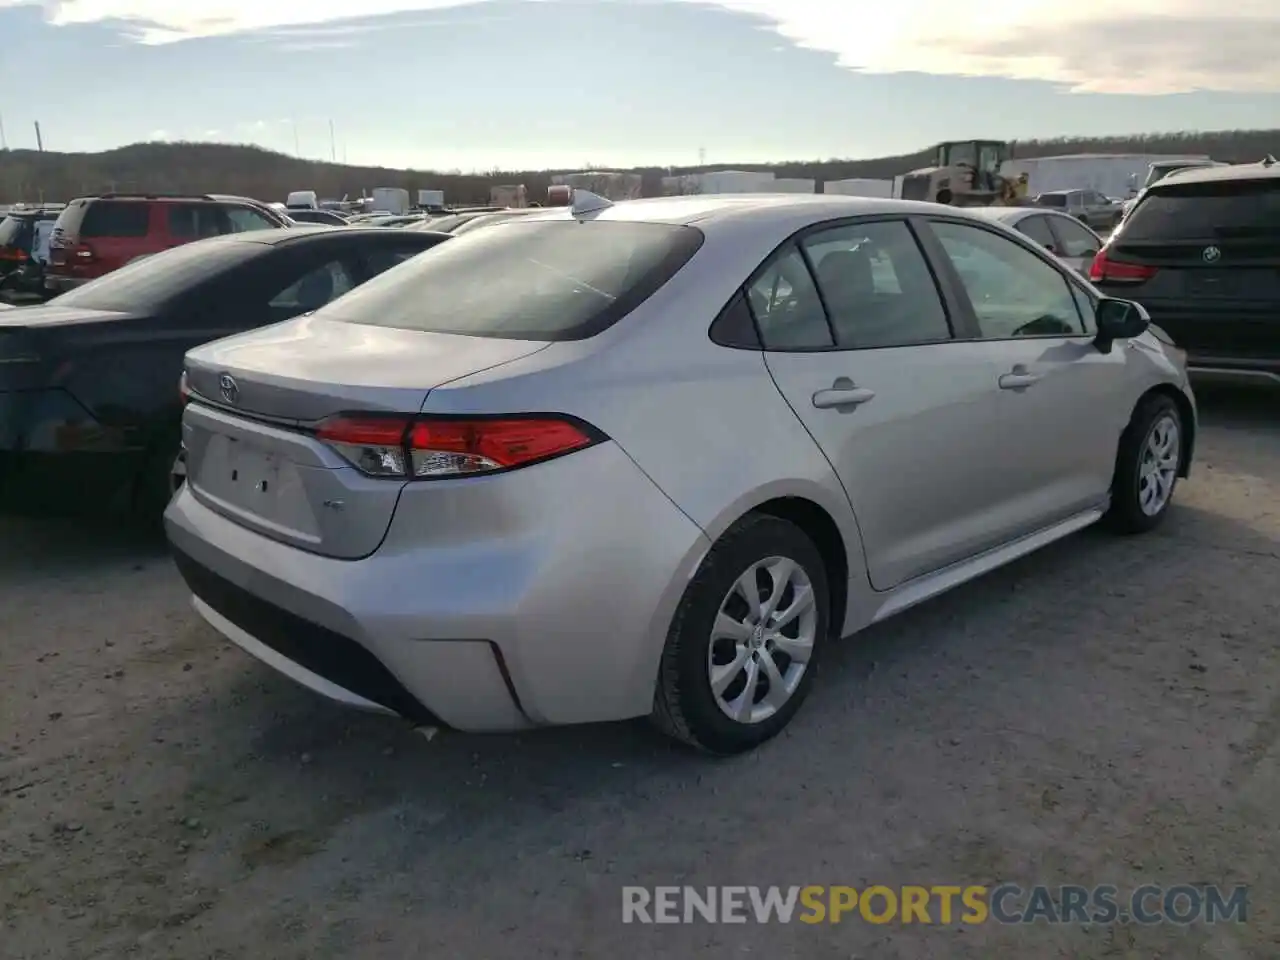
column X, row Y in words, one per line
column 13, row 254
column 424, row 448
column 1105, row 270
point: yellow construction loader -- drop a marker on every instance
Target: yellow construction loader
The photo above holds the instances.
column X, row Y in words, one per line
column 966, row 173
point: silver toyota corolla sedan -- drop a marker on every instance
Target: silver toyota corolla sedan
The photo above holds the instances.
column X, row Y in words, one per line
column 652, row 458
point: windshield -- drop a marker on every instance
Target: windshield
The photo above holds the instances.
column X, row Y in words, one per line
column 547, row 280
column 147, row 283
column 1207, row 211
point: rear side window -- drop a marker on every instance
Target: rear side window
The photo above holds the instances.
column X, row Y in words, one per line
column 1037, row 229
column 113, row 218
column 547, row 280
column 1052, row 200
column 148, row 283
column 194, row 221
column 1207, row 211
column 15, row 232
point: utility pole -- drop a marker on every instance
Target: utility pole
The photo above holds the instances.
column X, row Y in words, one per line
column 333, row 144
column 39, row 138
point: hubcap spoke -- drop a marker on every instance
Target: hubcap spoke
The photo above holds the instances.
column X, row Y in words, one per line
column 780, row 572
column 741, row 707
column 777, row 695
column 802, row 602
column 798, row 650
column 723, row 676
column 730, row 628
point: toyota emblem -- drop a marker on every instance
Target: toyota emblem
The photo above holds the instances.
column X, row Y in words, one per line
column 228, row 387
column 1212, row 255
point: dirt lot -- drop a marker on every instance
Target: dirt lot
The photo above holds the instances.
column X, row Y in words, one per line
column 1107, row 711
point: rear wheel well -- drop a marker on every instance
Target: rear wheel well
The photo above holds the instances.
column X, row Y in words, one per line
column 1188, row 422
column 822, row 530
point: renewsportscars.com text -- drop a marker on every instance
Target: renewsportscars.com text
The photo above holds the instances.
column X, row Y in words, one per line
column 937, row 904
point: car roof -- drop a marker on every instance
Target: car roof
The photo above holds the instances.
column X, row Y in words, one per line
column 1015, row 215
column 762, row 209
column 274, row 238
column 1238, row 171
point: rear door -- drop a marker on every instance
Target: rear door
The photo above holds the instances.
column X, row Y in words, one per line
column 906, row 414
column 1208, row 254
column 1062, row 403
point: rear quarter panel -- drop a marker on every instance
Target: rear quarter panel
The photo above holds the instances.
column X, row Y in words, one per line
column 706, row 423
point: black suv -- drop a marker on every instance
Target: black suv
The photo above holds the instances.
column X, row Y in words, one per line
column 21, row 259
column 1201, row 251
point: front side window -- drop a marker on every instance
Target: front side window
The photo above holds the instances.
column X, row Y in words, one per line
column 1013, row 292
column 542, row 280
column 877, row 286
column 786, row 305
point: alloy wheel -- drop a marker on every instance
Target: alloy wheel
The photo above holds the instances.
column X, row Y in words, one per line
column 762, row 640
column 1158, row 465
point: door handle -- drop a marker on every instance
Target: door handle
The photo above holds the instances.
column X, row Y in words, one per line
column 1019, row 378
column 842, row 393
column 1018, row 381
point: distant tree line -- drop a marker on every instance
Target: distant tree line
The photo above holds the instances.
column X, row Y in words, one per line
column 186, row 168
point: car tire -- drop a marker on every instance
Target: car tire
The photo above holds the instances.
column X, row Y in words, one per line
column 725, row 719
column 1147, row 465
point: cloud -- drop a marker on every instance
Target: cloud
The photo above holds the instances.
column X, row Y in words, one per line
column 1099, row 46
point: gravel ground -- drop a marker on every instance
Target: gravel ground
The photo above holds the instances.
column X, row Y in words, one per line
column 1105, row 711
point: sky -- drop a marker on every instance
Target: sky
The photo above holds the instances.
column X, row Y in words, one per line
column 524, row 84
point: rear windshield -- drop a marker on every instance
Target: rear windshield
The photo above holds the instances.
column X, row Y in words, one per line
column 525, row 280
column 1207, row 211
column 148, row 283
column 15, row 231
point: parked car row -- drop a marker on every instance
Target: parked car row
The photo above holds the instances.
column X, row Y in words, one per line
column 408, row 499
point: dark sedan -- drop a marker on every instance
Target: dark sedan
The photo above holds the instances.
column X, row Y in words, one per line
column 90, row 408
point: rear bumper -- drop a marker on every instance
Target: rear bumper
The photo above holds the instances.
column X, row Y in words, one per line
column 56, row 460
column 560, row 618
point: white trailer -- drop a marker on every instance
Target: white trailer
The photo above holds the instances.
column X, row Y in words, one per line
column 430, row 198
column 611, row 185
column 1109, row 174
column 859, row 187
column 793, row 185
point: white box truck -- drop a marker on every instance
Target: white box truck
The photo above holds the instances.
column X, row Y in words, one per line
column 391, row 200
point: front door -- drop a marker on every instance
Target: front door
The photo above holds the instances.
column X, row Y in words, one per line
column 905, row 414
column 1061, row 400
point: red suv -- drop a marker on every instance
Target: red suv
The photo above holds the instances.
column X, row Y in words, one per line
column 95, row 235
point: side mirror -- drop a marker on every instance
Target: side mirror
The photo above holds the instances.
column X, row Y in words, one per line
column 1119, row 320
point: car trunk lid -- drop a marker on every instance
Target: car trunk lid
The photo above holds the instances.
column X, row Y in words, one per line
column 252, row 450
